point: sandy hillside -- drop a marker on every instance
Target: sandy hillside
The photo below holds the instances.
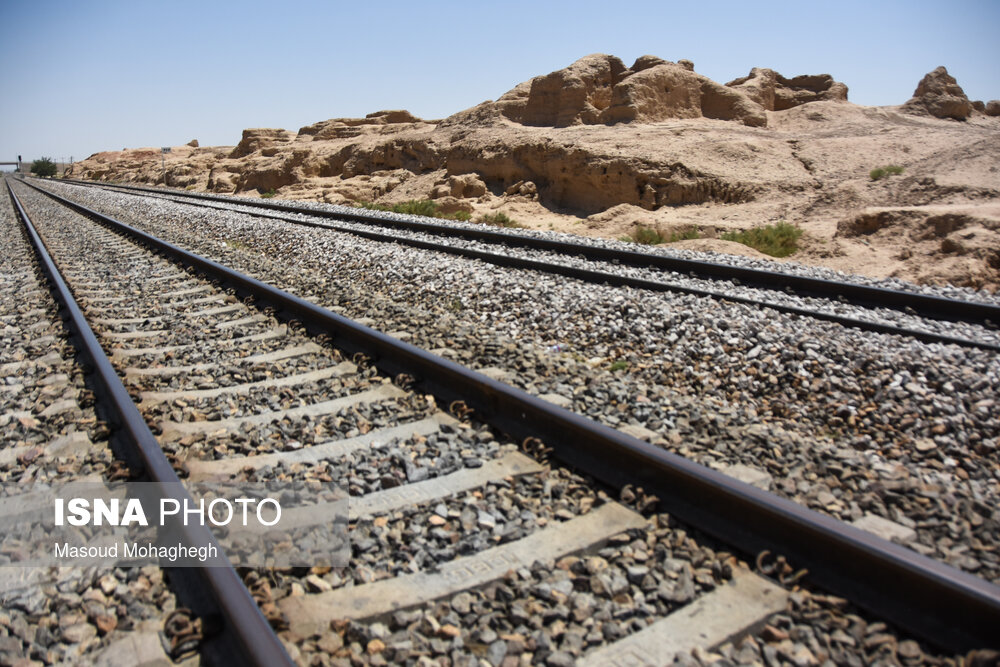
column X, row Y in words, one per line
column 599, row 148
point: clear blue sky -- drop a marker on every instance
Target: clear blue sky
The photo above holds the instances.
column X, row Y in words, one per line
column 83, row 76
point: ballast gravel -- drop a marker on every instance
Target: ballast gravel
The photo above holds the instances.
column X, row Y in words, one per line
column 51, row 435
column 846, row 422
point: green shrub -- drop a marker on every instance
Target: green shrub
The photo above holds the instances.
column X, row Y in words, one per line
column 43, row 167
column 267, row 194
column 498, row 219
column 413, row 207
column 684, row 235
column 645, row 236
column 651, row 236
column 779, row 240
column 882, row 172
column 424, row 207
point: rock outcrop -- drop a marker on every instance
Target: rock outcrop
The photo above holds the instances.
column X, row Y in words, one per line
column 569, row 96
column 565, row 177
column 670, row 90
column 599, row 89
column 776, row 93
column 379, row 122
column 993, row 108
column 258, row 139
column 939, row 95
column 462, row 186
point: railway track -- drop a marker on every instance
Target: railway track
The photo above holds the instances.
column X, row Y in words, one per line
column 865, row 307
column 181, row 307
column 51, row 433
column 214, row 595
column 496, row 576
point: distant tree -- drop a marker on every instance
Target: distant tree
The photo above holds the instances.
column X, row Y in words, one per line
column 43, row 167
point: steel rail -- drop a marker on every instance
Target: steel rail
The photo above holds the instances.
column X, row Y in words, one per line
column 936, row 602
column 250, row 636
column 932, row 307
column 603, row 277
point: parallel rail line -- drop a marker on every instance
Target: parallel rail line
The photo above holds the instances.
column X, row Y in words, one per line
column 931, row 307
column 951, row 608
column 246, row 632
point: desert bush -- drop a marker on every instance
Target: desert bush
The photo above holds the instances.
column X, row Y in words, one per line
column 424, row 207
column 778, row 240
column 684, row 235
column 645, row 236
column 498, row 219
column 882, row 172
column 653, row 236
column 43, row 167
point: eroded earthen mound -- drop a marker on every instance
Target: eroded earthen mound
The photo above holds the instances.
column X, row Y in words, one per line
column 378, row 122
column 599, row 89
column 939, row 95
column 259, row 139
column 776, row 93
